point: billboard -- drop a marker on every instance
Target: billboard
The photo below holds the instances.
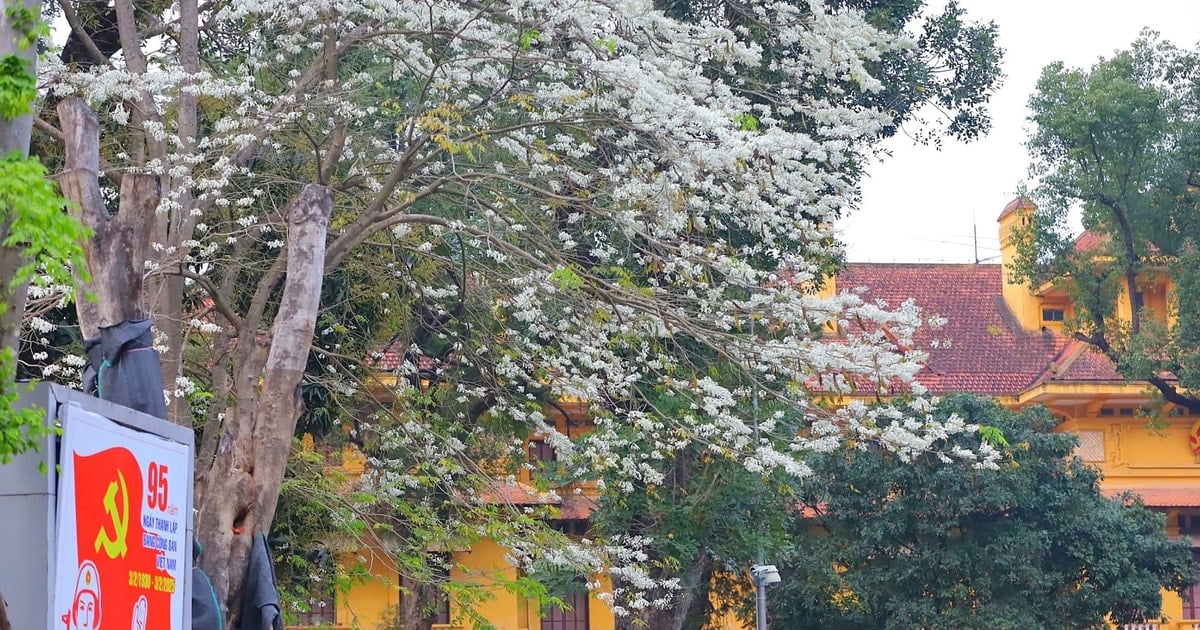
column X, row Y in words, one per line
column 122, row 551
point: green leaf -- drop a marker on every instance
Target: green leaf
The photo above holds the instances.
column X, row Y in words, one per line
column 747, row 121
column 529, row 38
column 566, row 278
column 993, row 436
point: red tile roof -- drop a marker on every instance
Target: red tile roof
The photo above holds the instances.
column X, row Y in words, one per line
column 1162, row 496
column 982, row 348
column 393, row 356
column 517, row 494
column 570, row 506
column 1089, row 241
column 576, row 507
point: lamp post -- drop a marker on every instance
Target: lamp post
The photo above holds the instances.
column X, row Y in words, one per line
column 764, row 577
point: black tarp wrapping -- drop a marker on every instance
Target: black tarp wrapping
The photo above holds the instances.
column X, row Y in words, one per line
column 260, row 598
column 206, row 609
column 123, row 367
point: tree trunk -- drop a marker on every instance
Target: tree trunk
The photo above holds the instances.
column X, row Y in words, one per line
column 13, row 307
column 684, row 600
column 15, row 133
column 1131, row 264
column 179, row 225
column 116, row 251
column 4, row 623
column 242, row 484
column 14, row 136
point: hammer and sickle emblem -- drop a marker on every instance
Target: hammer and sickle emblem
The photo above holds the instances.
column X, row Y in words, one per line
column 115, row 546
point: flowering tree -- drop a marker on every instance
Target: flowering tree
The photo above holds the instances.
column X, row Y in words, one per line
column 572, row 200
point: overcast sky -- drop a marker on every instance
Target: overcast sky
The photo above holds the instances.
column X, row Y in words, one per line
column 920, row 204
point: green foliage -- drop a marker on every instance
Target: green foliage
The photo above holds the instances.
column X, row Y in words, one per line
column 608, row 44
column 925, row 544
column 49, row 236
column 31, row 213
column 710, row 517
column 566, row 278
column 529, row 38
column 310, row 517
column 26, row 23
column 18, row 87
column 747, row 121
column 993, row 436
column 1121, row 143
column 22, row 430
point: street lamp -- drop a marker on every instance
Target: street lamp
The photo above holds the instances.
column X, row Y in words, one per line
column 764, row 577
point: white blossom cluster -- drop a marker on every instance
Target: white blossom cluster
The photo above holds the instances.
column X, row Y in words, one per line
column 625, row 198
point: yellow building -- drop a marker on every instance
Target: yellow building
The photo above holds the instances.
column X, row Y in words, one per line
column 1000, row 339
column 1004, row 340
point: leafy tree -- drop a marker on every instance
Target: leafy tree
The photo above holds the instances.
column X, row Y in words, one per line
column 706, row 521
column 919, row 544
column 36, row 240
column 1121, row 141
column 704, row 517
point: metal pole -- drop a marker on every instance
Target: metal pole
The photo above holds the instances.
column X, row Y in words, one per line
column 760, row 605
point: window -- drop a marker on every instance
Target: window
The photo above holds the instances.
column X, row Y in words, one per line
column 571, row 526
column 574, row 617
column 540, row 452
column 1191, row 597
column 1189, row 523
column 442, row 615
column 436, row 608
column 321, row 612
column 1127, row 412
column 1053, row 314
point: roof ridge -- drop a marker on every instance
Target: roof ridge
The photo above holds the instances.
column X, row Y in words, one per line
column 1061, row 363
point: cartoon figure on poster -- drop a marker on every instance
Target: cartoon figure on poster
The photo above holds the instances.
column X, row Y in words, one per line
column 85, row 611
column 120, row 539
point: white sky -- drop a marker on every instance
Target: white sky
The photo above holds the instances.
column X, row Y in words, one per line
column 919, row 205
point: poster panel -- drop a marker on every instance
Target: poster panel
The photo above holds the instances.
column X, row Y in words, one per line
column 121, row 539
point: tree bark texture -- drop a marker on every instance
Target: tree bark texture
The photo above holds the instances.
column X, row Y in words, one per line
column 14, row 297
column 116, row 251
column 4, row 623
column 242, row 485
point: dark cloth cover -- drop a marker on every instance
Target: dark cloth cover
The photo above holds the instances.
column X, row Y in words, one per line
column 123, row 367
column 260, row 598
column 206, row 610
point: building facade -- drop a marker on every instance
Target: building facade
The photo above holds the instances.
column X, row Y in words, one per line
column 1004, row 340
